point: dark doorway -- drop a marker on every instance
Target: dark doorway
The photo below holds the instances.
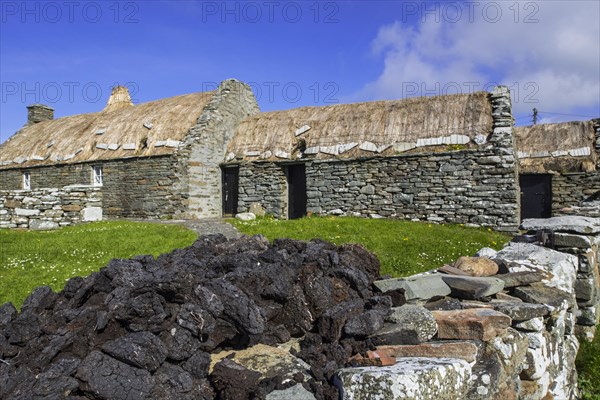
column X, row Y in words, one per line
column 296, row 179
column 536, row 195
column 230, row 177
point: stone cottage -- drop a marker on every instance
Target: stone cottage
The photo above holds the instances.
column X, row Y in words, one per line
column 559, row 166
column 150, row 160
column 442, row 159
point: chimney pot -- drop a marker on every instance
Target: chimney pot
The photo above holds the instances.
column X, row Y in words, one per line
column 38, row 113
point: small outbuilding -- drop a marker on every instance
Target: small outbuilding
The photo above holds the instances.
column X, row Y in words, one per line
column 559, row 166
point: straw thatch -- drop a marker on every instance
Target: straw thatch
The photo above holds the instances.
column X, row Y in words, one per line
column 383, row 123
column 119, row 131
column 562, row 147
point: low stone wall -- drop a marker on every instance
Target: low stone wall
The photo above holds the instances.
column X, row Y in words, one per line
column 503, row 326
column 145, row 187
column 50, row 208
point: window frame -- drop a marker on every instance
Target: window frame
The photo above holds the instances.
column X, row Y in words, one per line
column 97, row 176
column 26, row 180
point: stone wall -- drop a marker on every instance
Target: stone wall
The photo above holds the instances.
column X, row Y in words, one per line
column 478, row 186
column 501, row 326
column 42, row 209
column 264, row 183
column 136, row 187
column 204, row 148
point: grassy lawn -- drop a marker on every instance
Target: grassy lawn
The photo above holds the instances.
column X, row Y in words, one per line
column 403, row 247
column 588, row 368
column 29, row 259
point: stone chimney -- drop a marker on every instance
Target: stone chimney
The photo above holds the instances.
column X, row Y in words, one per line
column 38, row 113
column 119, row 98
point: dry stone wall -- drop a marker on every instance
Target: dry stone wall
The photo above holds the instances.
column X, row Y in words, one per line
column 50, row 208
column 476, row 332
column 147, row 187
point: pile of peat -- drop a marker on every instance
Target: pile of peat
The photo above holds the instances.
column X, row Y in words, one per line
column 145, row 328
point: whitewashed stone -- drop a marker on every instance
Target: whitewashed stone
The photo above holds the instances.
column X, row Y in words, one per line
column 302, row 129
column 331, row 150
column 69, row 156
column 114, row 146
column 37, row 158
column 230, row 156
column 19, row 160
column 434, row 141
column 252, row 153
column 409, row 378
column 368, row 146
column 559, row 153
column 539, row 154
column 42, row 225
column 129, row 146
column 456, row 139
column 26, row 212
column 100, row 131
column 247, row 216
column 383, row 148
column 312, row 150
column 92, row 214
column 281, row 154
column 102, row 146
column 482, row 139
column 342, row 148
column 148, row 125
column 522, row 154
column 580, row 152
column 160, row 143
column 401, row 147
column 267, row 154
column 172, row 143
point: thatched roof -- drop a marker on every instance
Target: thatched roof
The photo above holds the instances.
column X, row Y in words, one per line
column 562, row 147
column 121, row 130
column 351, row 130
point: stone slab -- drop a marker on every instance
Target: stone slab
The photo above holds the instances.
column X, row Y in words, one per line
column 521, row 311
column 409, row 324
column 541, row 294
column 296, row 392
column 421, row 287
column 42, row 225
column 472, row 288
column 92, row 214
column 409, row 378
column 472, row 324
column 464, row 350
column 566, row 223
column 513, row 279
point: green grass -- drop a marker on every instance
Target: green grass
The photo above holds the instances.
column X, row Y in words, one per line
column 403, row 247
column 588, row 368
column 29, row 259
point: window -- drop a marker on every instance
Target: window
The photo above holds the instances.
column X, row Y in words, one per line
column 26, row 181
column 96, row 175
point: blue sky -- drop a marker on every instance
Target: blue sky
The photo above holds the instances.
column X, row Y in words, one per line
column 68, row 54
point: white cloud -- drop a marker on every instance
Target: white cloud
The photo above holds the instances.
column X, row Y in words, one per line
column 552, row 64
